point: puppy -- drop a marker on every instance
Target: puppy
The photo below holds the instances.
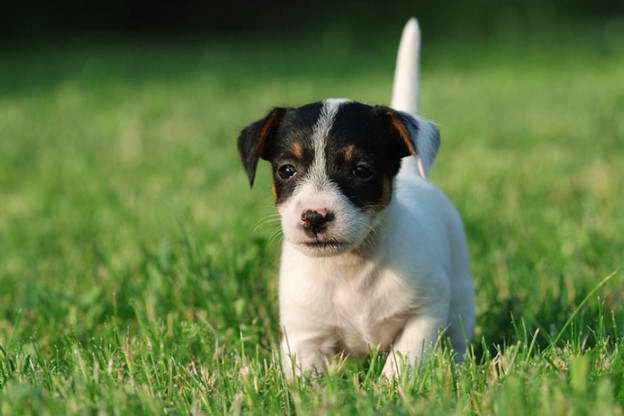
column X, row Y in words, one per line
column 374, row 255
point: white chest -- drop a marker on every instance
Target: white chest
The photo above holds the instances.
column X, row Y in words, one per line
column 371, row 314
column 352, row 309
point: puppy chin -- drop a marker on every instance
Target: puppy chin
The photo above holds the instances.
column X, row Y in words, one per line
column 323, row 250
column 325, row 245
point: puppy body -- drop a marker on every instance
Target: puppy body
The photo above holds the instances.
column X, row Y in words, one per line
column 397, row 293
column 374, row 255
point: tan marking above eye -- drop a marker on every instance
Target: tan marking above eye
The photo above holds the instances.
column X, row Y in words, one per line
column 349, row 152
column 297, row 150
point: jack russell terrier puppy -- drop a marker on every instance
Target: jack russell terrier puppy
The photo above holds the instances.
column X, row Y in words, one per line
column 374, row 255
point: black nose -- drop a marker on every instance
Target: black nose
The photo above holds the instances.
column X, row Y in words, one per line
column 315, row 222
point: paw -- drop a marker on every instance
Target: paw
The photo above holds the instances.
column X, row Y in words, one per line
column 303, row 365
column 391, row 369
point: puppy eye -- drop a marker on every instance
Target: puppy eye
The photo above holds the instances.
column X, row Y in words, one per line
column 286, row 171
column 362, row 172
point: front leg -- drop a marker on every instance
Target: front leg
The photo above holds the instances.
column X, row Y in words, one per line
column 418, row 336
column 302, row 353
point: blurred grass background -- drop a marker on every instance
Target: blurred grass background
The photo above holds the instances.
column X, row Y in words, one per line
column 134, row 274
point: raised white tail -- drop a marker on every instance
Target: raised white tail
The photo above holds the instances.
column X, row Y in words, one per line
column 405, row 88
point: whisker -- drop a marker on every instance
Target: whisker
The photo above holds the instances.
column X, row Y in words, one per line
column 271, row 222
column 275, row 236
column 269, row 219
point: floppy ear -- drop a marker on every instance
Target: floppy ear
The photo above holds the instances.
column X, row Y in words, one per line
column 419, row 137
column 252, row 142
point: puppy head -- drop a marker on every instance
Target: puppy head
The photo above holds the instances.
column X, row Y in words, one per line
column 333, row 166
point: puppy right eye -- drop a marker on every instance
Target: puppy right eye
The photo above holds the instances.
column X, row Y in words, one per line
column 362, row 172
column 286, row 171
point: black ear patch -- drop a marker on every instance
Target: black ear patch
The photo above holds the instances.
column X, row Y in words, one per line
column 253, row 140
column 399, row 130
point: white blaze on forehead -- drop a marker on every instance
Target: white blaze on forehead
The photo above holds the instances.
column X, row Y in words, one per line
column 320, row 132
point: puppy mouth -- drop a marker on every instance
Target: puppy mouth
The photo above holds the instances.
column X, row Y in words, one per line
column 325, row 243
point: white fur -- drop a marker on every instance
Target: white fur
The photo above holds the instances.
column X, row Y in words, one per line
column 321, row 129
column 403, row 279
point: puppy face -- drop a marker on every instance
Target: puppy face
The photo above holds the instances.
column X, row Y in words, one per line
column 333, row 165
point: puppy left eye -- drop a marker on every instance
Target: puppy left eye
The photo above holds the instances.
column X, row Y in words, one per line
column 287, row 171
column 362, row 172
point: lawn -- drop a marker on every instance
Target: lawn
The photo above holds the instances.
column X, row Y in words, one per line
column 137, row 275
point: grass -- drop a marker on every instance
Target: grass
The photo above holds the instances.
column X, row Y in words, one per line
column 133, row 278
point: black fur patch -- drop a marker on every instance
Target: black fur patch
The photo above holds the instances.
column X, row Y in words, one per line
column 366, row 130
column 297, row 126
column 254, row 139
